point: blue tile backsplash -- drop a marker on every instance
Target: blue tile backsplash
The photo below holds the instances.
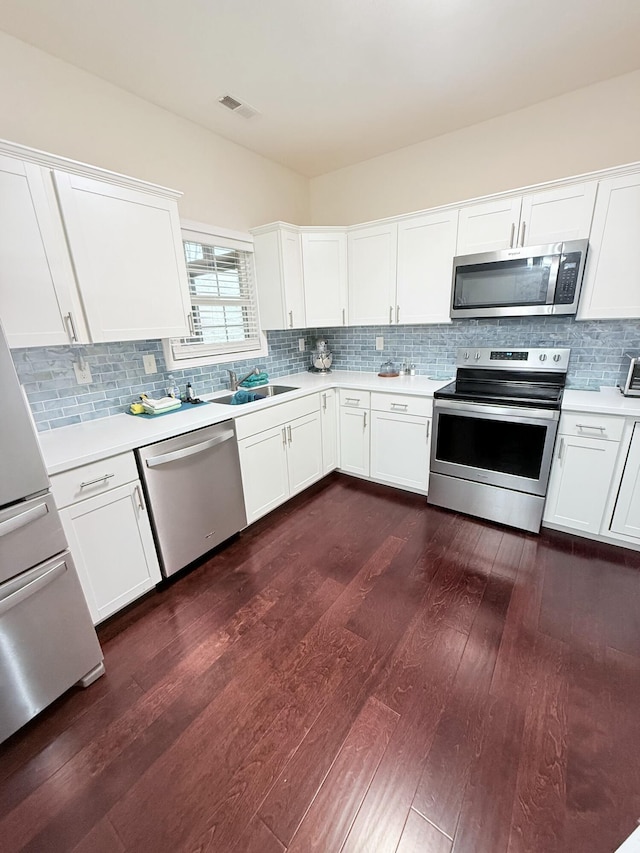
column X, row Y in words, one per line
column 597, row 351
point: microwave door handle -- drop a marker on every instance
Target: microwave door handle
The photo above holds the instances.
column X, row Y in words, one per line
column 553, row 279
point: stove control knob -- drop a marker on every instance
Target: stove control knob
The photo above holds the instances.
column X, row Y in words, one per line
column 543, row 356
column 477, row 356
column 556, row 357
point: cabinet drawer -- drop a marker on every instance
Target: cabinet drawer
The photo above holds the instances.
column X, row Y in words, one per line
column 75, row 485
column 255, row 422
column 355, row 399
column 592, row 426
column 402, row 404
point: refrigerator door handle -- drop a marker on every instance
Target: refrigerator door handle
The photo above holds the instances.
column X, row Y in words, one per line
column 30, row 587
column 23, row 518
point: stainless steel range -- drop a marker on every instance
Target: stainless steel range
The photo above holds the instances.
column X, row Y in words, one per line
column 494, row 429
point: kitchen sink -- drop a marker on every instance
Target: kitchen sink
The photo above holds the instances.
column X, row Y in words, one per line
column 263, row 391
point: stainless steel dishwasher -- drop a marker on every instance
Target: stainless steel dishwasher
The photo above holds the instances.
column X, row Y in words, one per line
column 194, row 490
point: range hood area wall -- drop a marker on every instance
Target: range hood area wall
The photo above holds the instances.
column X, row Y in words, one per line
column 597, row 353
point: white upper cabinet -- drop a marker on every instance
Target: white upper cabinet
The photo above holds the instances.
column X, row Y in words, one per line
column 426, row 248
column 86, row 255
column 488, row 227
column 278, row 260
column 372, row 274
column 534, row 219
column 36, row 280
column 553, row 216
column 128, row 257
column 611, row 286
column 324, row 265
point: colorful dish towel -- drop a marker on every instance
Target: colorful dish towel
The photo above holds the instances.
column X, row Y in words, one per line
column 255, row 379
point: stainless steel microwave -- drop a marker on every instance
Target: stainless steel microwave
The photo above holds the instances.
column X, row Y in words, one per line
column 519, row 282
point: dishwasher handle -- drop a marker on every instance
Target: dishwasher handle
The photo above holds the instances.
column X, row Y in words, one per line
column 190, row 450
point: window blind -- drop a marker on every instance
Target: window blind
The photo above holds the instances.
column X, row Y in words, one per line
column 223, row 302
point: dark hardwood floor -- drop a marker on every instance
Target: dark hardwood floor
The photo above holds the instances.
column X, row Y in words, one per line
column 357, row 672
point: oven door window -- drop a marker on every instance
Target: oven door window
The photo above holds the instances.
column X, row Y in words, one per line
column 494, row 445
column 522, row 281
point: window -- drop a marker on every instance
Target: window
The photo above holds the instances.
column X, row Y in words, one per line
column 224, row 313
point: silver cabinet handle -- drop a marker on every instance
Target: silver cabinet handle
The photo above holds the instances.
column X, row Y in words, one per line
column 560, row 449
column 72, row 327
column 352, row 401
column 390, row 314
column 403, row 406
column 291, row 319
column 397, row 313
column 102, row 479
column 523, row 228
column 192, row 326
column 364, row 420
column 284, row 438
column 513, row 234
column 591, row 426
column 324, row 402
column 24, row 518
column 289, row 432
column 141, row 505
column 344, row 316
column 428, row 429
column 189, row 451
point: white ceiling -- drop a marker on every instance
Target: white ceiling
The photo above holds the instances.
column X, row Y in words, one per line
column 337, row 81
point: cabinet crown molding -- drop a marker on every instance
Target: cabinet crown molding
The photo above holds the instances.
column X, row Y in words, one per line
column 54, row 161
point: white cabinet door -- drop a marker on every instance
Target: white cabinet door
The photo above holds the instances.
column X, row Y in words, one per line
column 354, row 441
column 112, row 545
column 36, row 280
column 263, row 461
column 304, row 452
column 278, row 261
column 372, row 274
column 127, row 252
column 580, row 480
column 626, row 516
column 611, row 287
column 553, row 216
column 400, row 450
column 329, row 418
column 426, row 248
column 488, row 227
column 324, row 268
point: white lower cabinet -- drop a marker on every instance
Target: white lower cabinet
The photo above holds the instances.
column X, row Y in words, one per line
column 581, row 478
column 355, row 418
column 112, row 545
column 400, row 450
column 329, row 418
column 626, row 516
column 280, row 461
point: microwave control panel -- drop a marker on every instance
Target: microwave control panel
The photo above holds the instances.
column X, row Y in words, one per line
column 567, row 278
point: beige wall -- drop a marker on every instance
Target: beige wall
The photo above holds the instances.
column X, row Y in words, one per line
column 51, row 105
column 591, row 128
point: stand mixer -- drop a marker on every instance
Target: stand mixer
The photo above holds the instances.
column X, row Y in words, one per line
column 321, row 358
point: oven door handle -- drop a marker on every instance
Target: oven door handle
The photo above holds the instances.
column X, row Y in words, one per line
column 506, row 412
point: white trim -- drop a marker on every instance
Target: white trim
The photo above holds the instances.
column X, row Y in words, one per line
column 53, row 161
column 205, row 360
column 234, row 239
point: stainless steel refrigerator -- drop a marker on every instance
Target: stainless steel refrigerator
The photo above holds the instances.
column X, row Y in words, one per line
column 47, row 639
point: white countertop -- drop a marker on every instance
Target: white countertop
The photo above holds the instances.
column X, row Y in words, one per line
column 80, row 444
column 606, row 401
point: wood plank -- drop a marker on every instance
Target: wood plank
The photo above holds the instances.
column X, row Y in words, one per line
column 420, row 835
column 329, row 818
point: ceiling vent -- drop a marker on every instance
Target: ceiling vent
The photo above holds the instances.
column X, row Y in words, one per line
column 237, row 106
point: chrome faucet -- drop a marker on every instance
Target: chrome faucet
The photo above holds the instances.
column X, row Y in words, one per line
column 234, row 382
